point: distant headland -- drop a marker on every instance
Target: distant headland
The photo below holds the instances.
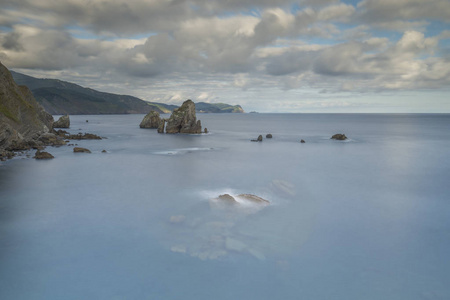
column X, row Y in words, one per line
column 60, row 98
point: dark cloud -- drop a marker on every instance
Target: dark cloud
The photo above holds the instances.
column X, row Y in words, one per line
column 11, row 42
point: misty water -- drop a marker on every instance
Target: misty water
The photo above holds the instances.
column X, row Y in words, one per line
column 366, row 218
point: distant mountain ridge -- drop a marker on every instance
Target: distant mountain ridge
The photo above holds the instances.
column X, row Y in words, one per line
column 60, row 97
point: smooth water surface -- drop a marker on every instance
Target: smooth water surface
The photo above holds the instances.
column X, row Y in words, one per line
column 366, row 218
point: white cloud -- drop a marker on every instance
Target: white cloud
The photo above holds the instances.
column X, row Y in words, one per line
column 171, row 49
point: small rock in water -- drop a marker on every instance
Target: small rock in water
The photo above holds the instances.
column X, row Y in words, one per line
column 206, row 130
column 259, row 139
column 43, row 155
column 81, row 150
column 87, row 121
column 104, row 151
column 268, row 136
column 339, row 137
column 302, row 141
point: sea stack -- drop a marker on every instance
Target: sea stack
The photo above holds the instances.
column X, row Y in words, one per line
column 184, row 120
column 151, row 120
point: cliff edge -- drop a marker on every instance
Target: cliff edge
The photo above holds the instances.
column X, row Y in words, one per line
column 22, row 119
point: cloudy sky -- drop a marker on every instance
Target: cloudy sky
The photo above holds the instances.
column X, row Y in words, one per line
column 267, row 55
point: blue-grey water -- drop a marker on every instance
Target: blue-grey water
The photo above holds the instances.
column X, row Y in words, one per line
column 366, row 218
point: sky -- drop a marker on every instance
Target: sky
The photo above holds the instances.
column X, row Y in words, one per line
column 267, row 55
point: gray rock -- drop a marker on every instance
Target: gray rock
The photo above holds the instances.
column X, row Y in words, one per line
column 184, row 120
column 63, row 122
column 151, row 120
column 339, row 137
column 268, row 136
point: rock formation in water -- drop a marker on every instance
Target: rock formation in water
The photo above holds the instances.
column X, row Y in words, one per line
column 302, row 141
column 268, row 136
column 339, row 137
column 184, row 120
column 43, row 155
column 63, row 122
column 151, row 120
column 22, row 119
column 81, row 150
column 259, row 139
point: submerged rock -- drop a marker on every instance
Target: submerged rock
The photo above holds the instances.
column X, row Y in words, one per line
column 81, row 150
column 239, row 202
column 42, row 155
column 339, row 137
column 151, row 120
column 184, row 120
column 254, row 199
column 63, row 122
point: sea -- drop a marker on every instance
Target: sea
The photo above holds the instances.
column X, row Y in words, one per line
column 365, row 218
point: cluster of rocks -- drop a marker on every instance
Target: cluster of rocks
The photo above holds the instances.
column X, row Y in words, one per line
column 182, row 120
column 338, row 136
column 22, row 120
column 79, row 136
column 25, row 125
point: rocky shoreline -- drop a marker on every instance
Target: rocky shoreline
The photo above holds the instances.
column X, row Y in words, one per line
column 25, row 125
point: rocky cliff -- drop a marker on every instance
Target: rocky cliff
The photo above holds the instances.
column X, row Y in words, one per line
column 22, row 119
